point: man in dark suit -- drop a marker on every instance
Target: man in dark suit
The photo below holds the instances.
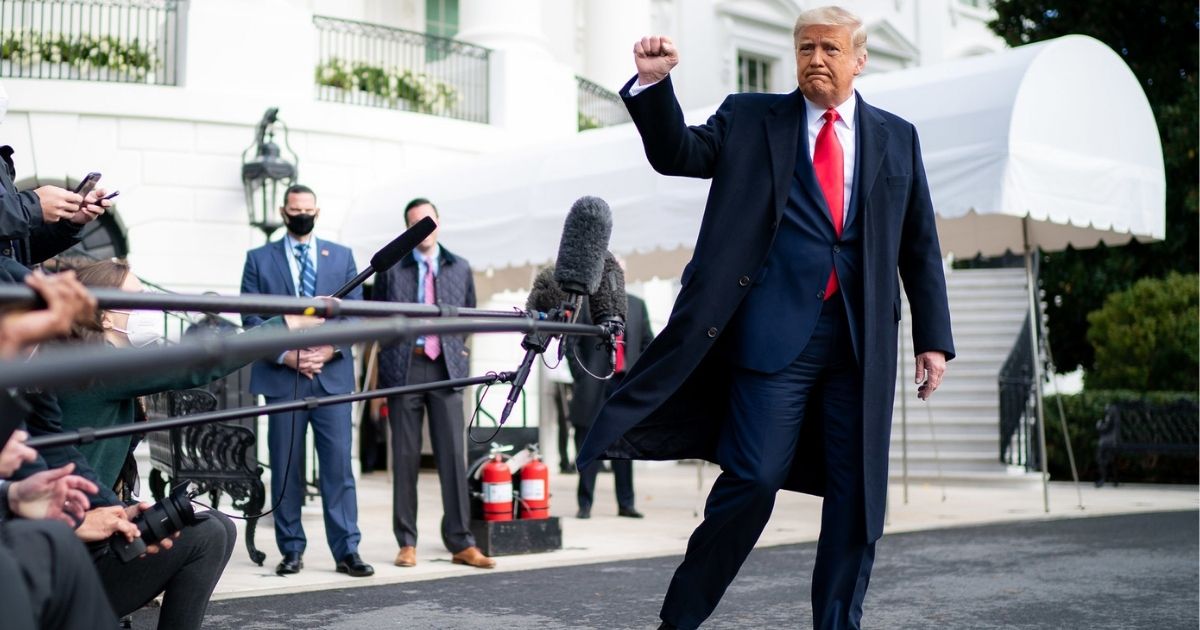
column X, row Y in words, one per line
column 432, row 275
column 779, row 360
column 589, row 360
column 304, row 266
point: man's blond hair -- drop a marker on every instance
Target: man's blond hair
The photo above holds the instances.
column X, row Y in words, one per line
column 832, row 16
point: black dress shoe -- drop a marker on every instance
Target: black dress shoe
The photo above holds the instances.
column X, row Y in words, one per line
column 584, row 512
column 629, row 513
column 352, row 564
column 291, row 563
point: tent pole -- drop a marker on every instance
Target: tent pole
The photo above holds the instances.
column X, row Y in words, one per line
column 903, row 419
column 1034, row 328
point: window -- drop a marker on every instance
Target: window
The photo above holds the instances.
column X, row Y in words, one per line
column 754, row 73
column 441, row 18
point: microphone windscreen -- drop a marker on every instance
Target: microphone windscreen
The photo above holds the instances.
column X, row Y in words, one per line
column 402, row 245
column 609, row 301
column 584, row 242
column 545, row 295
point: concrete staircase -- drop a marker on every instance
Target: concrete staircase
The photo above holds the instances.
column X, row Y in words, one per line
column 987, row 309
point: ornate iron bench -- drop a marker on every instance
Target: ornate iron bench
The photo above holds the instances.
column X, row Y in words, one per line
column 1137, row 427
column 219, row 457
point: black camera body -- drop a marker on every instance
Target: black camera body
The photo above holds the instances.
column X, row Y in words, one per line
column 162, row 520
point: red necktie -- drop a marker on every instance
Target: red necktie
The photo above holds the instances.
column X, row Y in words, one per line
column 830, row 168
column 619, row 367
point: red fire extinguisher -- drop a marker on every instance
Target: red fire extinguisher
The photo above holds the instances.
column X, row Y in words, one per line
column 535, row 489
column 497, row 491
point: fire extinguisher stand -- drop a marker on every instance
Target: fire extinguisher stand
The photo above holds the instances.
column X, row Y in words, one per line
column 497, row 532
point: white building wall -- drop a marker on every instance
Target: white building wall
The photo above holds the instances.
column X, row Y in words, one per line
column 175, row 152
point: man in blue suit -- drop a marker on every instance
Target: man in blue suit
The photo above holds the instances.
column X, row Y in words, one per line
column 779, row 359
column 304, row 266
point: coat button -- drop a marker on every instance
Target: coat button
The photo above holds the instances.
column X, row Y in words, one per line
column 821, row 294
column 837, row 248
column 744, row 281
column 712, row 332
column 7, row 252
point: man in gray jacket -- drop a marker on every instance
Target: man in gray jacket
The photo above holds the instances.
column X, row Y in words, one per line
column 432, row 275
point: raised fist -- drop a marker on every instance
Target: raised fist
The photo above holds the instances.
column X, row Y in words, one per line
column 654, row 55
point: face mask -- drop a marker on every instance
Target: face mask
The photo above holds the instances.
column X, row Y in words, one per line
column 300, row 224
column 145, row 328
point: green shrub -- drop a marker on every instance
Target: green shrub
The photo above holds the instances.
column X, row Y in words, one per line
column 1146, row 337
column 1083, row 411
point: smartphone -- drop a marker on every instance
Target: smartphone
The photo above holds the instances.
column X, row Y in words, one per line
column 110, row 195
column 88, row 183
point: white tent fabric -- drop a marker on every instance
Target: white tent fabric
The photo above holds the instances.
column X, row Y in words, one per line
column 1059, row 133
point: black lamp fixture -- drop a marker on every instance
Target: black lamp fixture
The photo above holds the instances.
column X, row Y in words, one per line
column 267, row 175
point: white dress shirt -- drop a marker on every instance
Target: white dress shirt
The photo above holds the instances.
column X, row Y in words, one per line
column 293, row 264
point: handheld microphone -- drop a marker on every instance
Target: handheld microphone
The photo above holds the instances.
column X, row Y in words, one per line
column 391, row 254
column 608, row 306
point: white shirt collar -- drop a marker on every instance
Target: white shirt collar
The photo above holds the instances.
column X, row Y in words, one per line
column 845, row 111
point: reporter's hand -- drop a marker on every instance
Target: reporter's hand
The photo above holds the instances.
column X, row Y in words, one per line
column 92, row 207
column 15, row 453
column 655, row 56
column 52, row 494
column 133, row 511
column 68, row 302
column 101, row 523
column 57, row 203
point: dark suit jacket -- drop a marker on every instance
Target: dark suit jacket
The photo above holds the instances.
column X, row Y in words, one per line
column 586, row 352
column 672, row 404
column 455, row 287
column 267, row 272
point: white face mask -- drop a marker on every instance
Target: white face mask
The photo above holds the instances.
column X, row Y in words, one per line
column 145, row 328
column 3, row 103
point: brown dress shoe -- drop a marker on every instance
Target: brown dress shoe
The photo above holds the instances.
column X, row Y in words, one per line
column 407, row 557
column 472, row 556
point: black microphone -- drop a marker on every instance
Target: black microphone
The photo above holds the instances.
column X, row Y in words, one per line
column 584, row 242
column 391, row 254
column 608, row 306
column 546, row 296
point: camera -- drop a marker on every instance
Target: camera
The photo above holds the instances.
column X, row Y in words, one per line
column 164, row 518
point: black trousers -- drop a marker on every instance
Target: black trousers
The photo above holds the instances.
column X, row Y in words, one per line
column 622, row 468
column 186, row 573
column 756, row 449
column 447, row 434
column 47, row 579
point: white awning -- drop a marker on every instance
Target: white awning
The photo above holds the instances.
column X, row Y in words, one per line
column 1058, row 132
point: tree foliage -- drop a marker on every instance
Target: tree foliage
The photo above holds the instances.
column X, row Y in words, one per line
column 1146, row 337
column 1158, row 40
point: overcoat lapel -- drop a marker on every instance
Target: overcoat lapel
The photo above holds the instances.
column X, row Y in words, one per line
column 872, row 138
column 783, row 132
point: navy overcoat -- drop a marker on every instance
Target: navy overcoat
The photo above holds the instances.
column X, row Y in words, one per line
column 674, row 401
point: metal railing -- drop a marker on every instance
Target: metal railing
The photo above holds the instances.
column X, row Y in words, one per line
column 1018, row 402
column 120, row 41
column 380, row 66
column 599, row 107
column 1018, row 417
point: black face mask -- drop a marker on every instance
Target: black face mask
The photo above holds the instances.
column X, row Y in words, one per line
column 300, row 224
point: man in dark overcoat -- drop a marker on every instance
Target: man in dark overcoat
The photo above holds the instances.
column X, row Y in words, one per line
column 779, row 358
